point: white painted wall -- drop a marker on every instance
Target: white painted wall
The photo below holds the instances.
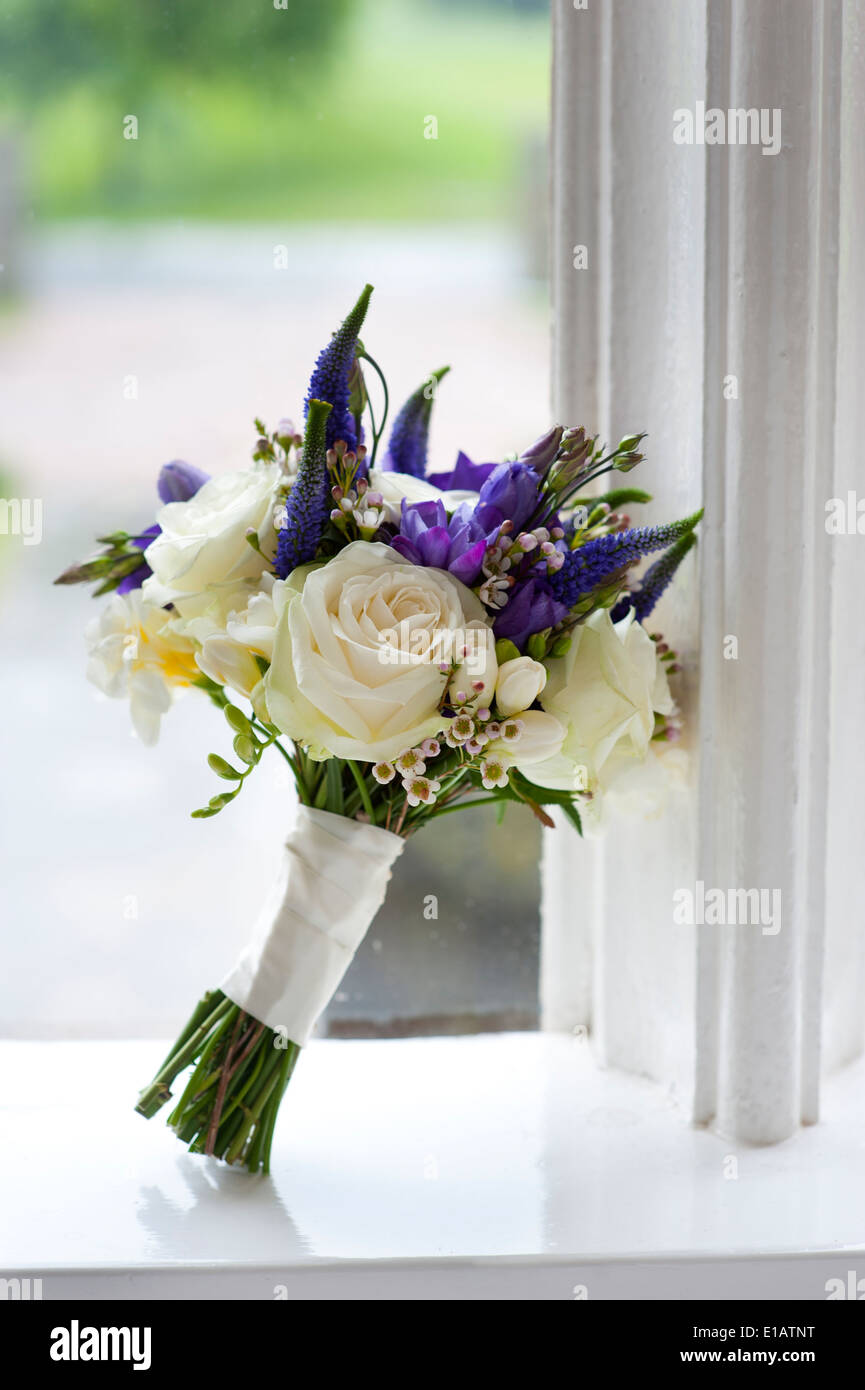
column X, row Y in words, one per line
column 706, row 261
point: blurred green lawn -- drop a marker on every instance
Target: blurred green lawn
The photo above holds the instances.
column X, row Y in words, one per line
column 342, row 139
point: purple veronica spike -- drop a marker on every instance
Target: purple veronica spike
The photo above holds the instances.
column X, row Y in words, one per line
column 427, row 537
column 465, row 476
column 178, row 481
column 331, row 377
column 530, row 608
column 407, row 449
column 306, row 510
column 590, row 564
column 654, row 581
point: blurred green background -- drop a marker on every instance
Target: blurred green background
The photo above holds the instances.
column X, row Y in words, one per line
column 314, row 111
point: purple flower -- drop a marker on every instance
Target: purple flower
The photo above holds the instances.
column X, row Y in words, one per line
column 138, row 576
column 530, row 608
column 332, row 376
column 654, row 581
column 541, row 454
column 599, row 560
column 306, row 510
column 427, row 537
column 407, row 450
column 178, row 481
column 510, row 493
column 465, row 476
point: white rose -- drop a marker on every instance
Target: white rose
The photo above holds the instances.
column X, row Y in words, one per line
column 605, row 691
column 134, row 653
column 396, row 486
column 203, row 541
column 334, row 683
column 539, row 740
column 518, row 684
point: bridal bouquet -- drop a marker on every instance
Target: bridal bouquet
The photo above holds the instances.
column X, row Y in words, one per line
column 411, row 644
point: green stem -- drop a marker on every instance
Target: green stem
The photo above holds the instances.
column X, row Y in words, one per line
column 158, row 1092
column 377, row 434
column 363, row 789
column 292, row 1053
column 474, row 801
column 202, row 1009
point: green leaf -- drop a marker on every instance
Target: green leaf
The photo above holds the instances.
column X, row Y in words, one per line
column 203, row 813
column 547, row 796
column 544, row 796
column 218, row 802
column 573, row 815
column 618, row 497
column 222, row 768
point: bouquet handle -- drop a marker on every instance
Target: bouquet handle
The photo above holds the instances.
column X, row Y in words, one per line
column 244, row 1038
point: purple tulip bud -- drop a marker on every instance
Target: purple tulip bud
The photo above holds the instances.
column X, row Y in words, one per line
column 178, row 481
column 540, row 455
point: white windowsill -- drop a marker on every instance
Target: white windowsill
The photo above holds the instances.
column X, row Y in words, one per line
column 501, row 1166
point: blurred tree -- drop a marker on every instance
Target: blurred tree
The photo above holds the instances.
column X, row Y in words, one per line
column 49, row 44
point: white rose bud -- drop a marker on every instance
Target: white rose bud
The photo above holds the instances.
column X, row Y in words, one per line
column 519, row 683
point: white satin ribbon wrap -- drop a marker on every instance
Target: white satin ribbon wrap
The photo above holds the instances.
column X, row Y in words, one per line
column 332, row 882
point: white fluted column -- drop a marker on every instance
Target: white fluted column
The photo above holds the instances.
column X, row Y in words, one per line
column 720, row 306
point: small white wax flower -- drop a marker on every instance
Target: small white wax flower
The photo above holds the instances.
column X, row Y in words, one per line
column 493, row 773
column 460, row 729
column 421, row 791
column 410, row 762
column 383, row 773
column 511, row 730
